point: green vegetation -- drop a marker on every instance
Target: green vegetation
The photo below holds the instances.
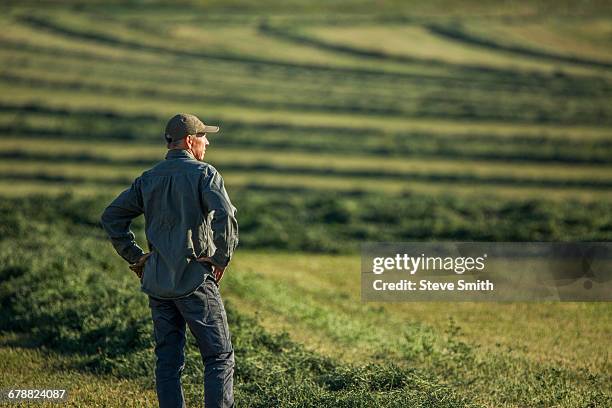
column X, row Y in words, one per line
column 34, row 368
column 76, row 300
column 340, row 124
column 82, row 303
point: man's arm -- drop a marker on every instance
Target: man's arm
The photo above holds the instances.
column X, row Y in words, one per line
column 224, row 224
column 116, row 221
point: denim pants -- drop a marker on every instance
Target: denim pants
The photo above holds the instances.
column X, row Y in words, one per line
column 204, row 313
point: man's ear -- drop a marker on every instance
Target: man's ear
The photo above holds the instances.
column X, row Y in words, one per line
column 188, row 141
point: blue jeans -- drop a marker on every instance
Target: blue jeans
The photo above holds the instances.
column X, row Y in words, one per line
column 204, row 313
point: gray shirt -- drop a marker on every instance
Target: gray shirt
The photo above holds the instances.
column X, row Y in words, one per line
column 188, row 214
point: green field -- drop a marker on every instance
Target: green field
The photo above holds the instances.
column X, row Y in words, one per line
column 340, row 124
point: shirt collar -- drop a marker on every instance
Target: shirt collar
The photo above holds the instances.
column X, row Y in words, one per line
column 178, row 154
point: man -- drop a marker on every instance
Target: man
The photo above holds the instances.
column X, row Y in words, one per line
column 192, row 232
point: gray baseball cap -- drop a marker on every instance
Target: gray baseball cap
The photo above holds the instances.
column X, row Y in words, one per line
column 184, row 124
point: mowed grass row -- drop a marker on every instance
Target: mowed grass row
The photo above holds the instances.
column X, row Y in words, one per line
column 553, row 39
column 225, row 39
column 427, row 44
column 137, row 154
column 413, row 101
column 24, row 64
column 24, row 52
column 232, row 38
column 134, row 154
column 73, row 29
column 54, row 114
column 118, row 105
column 462, row 142
column 58, row 30
column 526, row 108
column 419, row 40
column 221, row 44
column 47, row 32
column 25, row 185
column 111, row 166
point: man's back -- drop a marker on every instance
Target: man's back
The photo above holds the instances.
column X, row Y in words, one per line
column 177, row 197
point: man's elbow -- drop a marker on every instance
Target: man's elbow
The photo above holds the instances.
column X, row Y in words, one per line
column 106, row 218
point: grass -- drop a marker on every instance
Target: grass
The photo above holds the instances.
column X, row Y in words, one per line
column 417, row 41
column 30, row 368
column 238, row 176
column 82, row 162
column 526, row 109
column 102, row 161
column 79, row 150
column 61, row 31
column 224, row 114
column 563, row 36
column 535, row 103
column 77, row 299
column 59, row 185
column 331, row 282
column 100, row 337
column 427, row 121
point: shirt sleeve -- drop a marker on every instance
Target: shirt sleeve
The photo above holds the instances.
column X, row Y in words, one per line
column 116, row 221
column 224, row 224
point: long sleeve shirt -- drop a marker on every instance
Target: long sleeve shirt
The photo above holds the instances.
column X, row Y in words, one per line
column 188, row 214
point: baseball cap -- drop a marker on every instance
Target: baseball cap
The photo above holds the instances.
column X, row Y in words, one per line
column 184, row 124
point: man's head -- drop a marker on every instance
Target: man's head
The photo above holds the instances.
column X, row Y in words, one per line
column 195, row 144
column 185, row 131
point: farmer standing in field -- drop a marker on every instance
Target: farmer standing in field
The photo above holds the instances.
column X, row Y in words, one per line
column 192, row 232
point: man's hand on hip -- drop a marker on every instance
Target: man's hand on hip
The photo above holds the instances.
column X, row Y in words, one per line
column 217, row 270
column 138, row 267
